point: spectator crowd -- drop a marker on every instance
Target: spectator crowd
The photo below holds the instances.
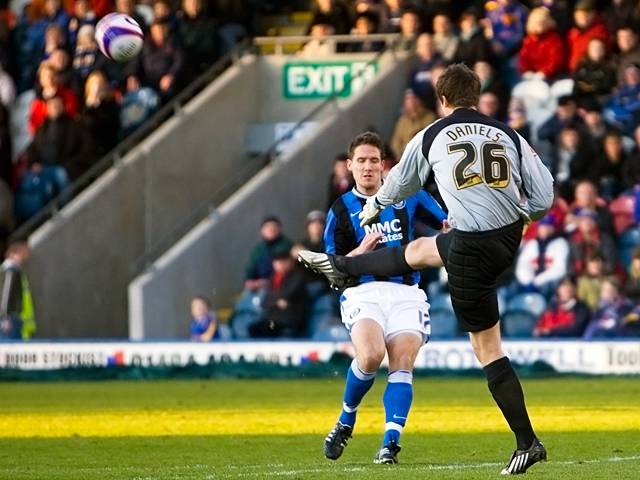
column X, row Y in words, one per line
column 81, row 104
column 581, row 261
column 579, row 267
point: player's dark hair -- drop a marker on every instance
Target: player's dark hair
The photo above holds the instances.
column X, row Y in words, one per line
column 367, row 138
column 459, row 85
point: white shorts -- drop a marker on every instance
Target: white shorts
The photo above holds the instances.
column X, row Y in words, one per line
column 394, row 306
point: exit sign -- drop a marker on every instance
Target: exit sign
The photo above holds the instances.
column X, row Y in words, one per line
column 305, row 80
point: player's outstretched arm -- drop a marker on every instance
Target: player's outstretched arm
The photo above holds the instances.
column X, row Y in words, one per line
column 537, row 182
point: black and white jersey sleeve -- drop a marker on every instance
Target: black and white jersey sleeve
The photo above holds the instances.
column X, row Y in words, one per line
column 487, row 174
column 409, row 175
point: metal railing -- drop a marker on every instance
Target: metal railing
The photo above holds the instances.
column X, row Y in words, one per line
column 279, row 44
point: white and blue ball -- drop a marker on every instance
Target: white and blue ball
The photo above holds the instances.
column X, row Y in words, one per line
column 119, row 37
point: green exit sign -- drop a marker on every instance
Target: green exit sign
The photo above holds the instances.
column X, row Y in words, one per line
column 306, row 80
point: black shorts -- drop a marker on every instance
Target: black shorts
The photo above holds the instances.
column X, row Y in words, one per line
column 474, row 261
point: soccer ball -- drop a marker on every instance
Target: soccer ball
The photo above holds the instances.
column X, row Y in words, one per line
column 119, row 37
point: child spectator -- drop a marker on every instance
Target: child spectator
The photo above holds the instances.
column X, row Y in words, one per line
column 595, row 75
column 609, row 319
column 566, row 316
column 542, row 262
column 588, row 25
column 543, row 51
column 204, row 324
column 590, row 281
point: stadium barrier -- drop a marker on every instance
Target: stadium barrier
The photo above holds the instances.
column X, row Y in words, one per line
column 617, row 357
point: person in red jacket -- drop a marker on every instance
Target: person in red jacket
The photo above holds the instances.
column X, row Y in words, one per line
column 49, row 86
column 588, row 25
column 543, row 51
column 566, row 316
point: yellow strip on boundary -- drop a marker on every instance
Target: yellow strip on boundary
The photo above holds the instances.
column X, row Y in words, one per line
column 457, row 419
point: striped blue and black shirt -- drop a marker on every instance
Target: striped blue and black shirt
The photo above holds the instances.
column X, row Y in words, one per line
column 343, row 232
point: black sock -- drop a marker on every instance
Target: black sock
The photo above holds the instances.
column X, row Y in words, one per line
column 507, row 392
column 386, row 262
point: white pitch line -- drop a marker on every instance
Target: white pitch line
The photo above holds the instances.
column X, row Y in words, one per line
column 452, row 466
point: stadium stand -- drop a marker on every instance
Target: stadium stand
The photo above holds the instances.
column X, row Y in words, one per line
column 257, row 122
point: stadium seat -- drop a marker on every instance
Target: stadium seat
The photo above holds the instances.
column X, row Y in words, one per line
column 247, row 311
column 562, row 87
column 537, row 99
column 622, row 209
column 518, row 324
column 627, row 243
column 224, row 332
column 322, row 310
column 534, row 303
column 443, row 324
column 443, row 320
column 331, row 330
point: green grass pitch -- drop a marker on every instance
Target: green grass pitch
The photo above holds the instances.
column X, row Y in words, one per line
column 274, row 430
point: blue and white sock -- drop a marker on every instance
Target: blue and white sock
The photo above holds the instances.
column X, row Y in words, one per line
column 397, row 402
column 358, row 384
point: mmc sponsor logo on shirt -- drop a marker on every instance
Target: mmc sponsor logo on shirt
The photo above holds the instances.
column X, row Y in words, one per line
column 391, row 229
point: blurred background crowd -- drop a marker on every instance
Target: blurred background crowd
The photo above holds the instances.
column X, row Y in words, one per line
column 565, row 74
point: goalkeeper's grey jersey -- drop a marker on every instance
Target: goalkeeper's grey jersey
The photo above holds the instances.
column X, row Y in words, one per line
column 487, row 174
